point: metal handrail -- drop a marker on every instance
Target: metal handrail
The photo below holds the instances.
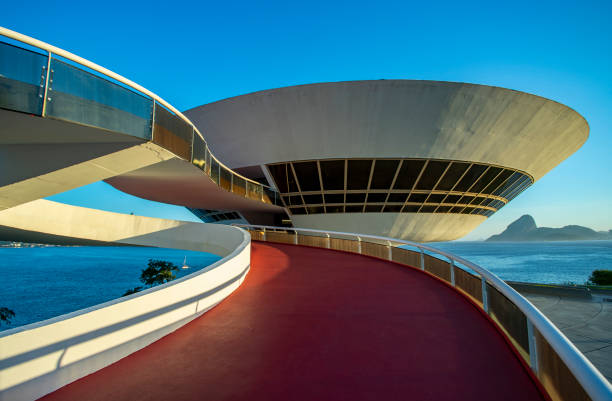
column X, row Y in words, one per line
column 592, row 381
column 93, row 66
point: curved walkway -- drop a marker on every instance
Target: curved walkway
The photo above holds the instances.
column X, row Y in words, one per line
column 316, row 324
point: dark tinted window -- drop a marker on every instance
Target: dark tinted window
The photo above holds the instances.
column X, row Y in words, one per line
column 431, row 175
column 354, row 209
column 283, row 177
column 443, row 209
column 293, row 200
column 308, row 176
column 420, row 198
column 298, row 210
column 428, row 209
column 355, row 198
column 497, row 181
column 392, row 209
column 466, row 199
column 456, row 209
column 397, row 198
column 411, row 209
column 358, row 174
column 279, row 173
column 334, row 198
column 452, row 198
column 332, row 172
column 334, row 209
column 478, row 200
column 373, row 208
column 452, row 175
column 408, row 174
column 435, row 198
column 486, row 179
column 470, row 177
column 372, row 198
column 313, row 199
column 384, row 171
column 488, row 202
column 502, row 191
column 497, row 204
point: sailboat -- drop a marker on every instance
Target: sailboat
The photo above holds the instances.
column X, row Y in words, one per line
column 185, row 263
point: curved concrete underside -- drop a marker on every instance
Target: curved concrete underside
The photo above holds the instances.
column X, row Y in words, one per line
column 40, row 157
column 418, row 227
column 180, row 183
column 392, row 118
column 315, row 324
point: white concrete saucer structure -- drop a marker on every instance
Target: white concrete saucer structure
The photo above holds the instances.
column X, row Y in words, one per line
column 418, row 160
column 329, row 149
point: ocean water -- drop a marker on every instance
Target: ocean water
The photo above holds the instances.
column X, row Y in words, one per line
column 39, row 283
column 536, row 262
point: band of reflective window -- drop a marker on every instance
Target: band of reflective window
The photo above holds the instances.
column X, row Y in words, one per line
column 396, row 186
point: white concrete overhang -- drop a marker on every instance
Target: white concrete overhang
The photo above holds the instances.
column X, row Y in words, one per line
column 392, row 119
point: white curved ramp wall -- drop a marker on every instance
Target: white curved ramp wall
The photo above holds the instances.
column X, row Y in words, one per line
column 39, row 358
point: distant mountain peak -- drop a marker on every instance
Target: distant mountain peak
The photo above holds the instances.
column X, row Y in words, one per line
column 525, row 229
column 522, row 224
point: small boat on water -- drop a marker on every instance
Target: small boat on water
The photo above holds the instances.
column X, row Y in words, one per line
column 185, row 263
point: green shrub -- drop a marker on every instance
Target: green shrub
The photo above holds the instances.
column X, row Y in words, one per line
column 157, row 272
column 601, row 277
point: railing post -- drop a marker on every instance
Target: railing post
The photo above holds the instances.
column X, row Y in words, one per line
column 264, row 234
column 390, row 256
column 533, row 347
column 192, row 142
column 359, row 245
column 295, row 240
column 452, row 272
column 422, row 259
column 485, row 296
column 153, row 120
column 328, row 240
column 44, row 108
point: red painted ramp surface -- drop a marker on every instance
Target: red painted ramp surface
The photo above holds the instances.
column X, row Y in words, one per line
column 315, row 324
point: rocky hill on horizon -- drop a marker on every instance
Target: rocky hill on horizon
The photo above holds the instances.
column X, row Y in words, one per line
column 525, row 229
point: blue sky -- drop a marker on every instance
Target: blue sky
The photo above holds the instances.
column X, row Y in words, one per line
column 198, row 52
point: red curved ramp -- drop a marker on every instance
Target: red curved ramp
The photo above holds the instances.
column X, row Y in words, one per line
column 316, row 324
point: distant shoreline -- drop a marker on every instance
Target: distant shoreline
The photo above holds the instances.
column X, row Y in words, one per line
column 525, row 229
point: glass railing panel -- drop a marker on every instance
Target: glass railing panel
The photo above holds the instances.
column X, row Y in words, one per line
column 208, row 161
column 79, row 96
column 509, row 317
column 22, row 79
column 254, row 191
column 199, row 152
column 239, row 186
column 172, row 132
column 269, row 196
column 225, row 179
column 214, row 170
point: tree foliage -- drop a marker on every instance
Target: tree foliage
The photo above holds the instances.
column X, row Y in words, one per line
column 6, row 315
column 601, row 277
column 132, row 291
column 157, row 272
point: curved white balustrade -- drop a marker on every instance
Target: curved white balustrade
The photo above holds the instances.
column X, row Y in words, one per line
column 39, row 358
